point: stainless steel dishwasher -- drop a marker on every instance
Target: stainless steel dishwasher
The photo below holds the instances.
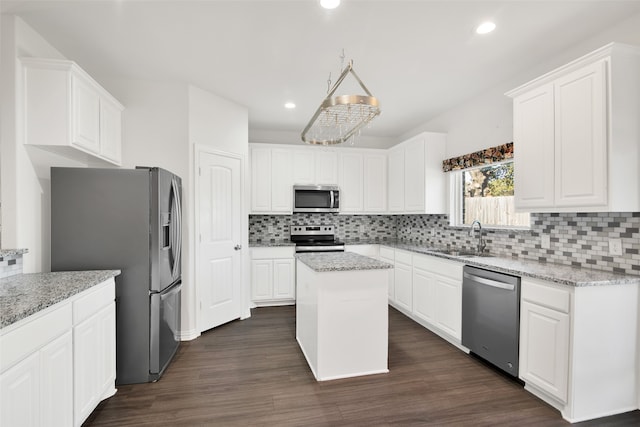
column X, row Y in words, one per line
column 491, row 317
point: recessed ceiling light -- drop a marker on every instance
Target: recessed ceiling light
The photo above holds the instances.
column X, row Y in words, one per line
column 329, row 4
column 485, row 27
column 290, row 105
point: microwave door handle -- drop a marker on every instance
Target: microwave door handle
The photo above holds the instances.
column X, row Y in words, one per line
column 332, row 202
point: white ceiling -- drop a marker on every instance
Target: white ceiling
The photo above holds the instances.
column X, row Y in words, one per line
column 419, row 58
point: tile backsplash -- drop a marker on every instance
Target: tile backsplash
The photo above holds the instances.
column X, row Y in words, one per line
column 578, row 239
column 10, row 265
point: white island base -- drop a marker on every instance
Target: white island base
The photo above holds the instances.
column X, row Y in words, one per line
column 342, row 321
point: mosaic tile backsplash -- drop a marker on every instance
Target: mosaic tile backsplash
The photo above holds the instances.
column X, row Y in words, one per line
column 580, row 239
column 10, row 265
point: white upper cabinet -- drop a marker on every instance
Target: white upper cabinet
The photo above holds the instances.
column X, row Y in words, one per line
column 315, row 166
column 576, row 139
column 68, row 112
column 375, row 182
column 351, row 182
column 362, row 177
column 416, row 182
column 326, row 167
column 271, row 186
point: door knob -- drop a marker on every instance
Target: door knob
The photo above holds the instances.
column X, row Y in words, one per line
column 237, row 247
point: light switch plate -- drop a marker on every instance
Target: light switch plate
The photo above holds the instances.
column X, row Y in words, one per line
column 363, row 228
column 545, row 241
column 615, row 246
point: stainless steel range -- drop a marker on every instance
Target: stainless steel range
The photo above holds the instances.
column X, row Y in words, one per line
column 315, row 238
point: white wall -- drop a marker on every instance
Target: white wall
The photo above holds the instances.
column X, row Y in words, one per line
column 486, row 120
column 219, row 125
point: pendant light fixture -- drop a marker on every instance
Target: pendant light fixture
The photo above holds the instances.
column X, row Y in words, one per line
column 341, row 117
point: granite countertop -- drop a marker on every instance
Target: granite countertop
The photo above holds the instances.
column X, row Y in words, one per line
column 340, row 261
column 12, row 252
column 270, row 243
column 25, row 294
column 557, row 273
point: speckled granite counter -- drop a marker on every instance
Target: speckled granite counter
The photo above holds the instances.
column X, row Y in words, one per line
column 25, row 294
column 562, row 274
column 12, row 252
column 270, row 244
column 340, row 261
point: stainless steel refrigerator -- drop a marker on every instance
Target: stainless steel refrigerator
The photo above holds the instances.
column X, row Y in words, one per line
column 127, row 219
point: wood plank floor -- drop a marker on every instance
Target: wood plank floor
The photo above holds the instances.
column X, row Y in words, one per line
column 252, row 373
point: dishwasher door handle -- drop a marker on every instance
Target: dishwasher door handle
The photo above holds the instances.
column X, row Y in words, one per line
column 489, row 282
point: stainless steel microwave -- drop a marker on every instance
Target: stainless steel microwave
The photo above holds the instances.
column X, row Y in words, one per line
column 316, row 198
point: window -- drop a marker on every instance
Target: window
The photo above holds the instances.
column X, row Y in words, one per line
column 486, row 193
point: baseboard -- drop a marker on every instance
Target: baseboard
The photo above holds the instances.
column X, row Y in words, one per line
column 188, row 335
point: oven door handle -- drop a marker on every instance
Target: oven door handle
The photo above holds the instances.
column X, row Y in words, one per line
column 489, row 282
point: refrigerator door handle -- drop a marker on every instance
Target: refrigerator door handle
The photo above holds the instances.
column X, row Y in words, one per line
column 176, row 230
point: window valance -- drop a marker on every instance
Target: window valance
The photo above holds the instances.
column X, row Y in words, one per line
column 479, row 158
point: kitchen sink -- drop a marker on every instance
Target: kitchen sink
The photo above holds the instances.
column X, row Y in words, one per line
column 463, row 254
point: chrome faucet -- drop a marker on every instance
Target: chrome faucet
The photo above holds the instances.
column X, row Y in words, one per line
column 481, row 243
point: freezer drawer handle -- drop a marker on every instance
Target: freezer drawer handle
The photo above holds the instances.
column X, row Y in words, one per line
column 489, row 282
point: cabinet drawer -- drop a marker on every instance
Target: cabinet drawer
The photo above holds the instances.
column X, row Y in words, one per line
column 387, row 252
column 272, row 253
column 37, row 331
column 92, row 300
column 546, row 294
column 442, row 267
column 403, row 257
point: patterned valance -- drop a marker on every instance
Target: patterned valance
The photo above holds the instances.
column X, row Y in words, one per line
column 479, row 158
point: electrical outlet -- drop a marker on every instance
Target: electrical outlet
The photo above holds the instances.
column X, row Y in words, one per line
column 615, row 246
column 545, row 241
column 363, row 229
column 433, row 232
column 270, row 229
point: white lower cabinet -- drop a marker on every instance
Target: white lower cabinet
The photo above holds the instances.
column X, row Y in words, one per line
column 387, row 255
column 273, row 276
column 55, row 368
column 403, row 298
column 578, row 347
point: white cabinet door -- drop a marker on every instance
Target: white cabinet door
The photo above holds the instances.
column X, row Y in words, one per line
column 110, row 131
column 326, row 167
column 284, row 286
column 414, row 185
column 281, row 184
column 581, row 137
column 375, row 183
column 304, row 167
column 533, row 132
column 424, row 295
column 448, row 310
column 85, row 115
column 544, row 348
column 20, row 393
column 261, row 279
column 403, row 286
column 56, row 382
column 387, row 255
column 395, row 180
column 93, row 354
column 351, row 182
column 260, row 179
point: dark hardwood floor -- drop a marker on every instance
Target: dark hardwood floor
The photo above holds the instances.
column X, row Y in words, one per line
column 252, row 373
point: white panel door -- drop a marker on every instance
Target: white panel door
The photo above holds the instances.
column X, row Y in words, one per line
column 375, row 183
column 260, row 179
column 414, row 192
column 86, row 115
column 20, row 393
column 581, row 137
column 304, row 167
column 544, row 349
column 56, row 384
column 351, row 184
column 261, row 279
column 326, row 163
column 448, row 310
column 284, row 279
column 533, row 141
column 281, row 183
column 396, row 180
column 424, row 298
column 219, row 271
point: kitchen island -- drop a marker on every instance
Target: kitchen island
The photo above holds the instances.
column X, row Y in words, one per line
column 342, row 314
